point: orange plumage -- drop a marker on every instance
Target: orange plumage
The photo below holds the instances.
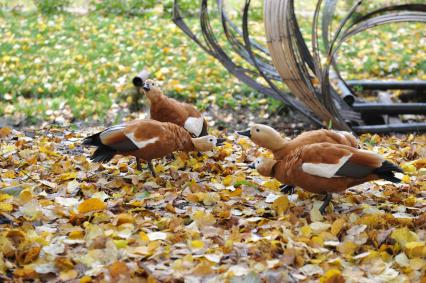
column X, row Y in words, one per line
column 269, row 138
column 147, row 140
column 328, row 168
column 166, row 109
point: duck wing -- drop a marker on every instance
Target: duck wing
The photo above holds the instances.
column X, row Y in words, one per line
column 334, row 160
column 123, row 138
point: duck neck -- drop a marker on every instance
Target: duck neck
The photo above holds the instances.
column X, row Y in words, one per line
column 154, row 96
column 279, row 145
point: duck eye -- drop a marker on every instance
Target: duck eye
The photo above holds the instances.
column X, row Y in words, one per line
column 257, row 130
column 211, row 140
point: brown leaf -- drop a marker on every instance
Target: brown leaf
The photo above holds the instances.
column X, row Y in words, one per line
column 118, row 269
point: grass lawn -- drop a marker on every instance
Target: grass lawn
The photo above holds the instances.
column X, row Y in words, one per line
column 84, row 64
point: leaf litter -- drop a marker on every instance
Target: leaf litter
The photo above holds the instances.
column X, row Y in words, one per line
column 204, row 218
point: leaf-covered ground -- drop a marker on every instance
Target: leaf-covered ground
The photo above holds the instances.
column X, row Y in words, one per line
column 203, row 219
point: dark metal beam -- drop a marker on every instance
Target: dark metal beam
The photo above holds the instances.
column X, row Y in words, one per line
column 391, row 128
column 384, row 85
column 397, row 108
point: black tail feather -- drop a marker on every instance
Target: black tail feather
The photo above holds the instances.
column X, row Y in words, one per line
column 93, row 140
column 386, row 171
column 103, row 154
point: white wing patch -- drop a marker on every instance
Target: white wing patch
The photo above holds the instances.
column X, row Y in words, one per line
column 111, row 130
column 194, row 125
column 323, row 169
column 140, row 144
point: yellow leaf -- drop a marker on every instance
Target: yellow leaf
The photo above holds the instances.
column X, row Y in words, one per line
column 203, row 269
column 25, row 272
column 337, row 226
column 91, row 204
column 203, row 219
column 280, row 205
column 76, row 234
column 306, row 230
column 332, row 276
column 210, row 198
column 6, row 207
column 317, row 242
column 408, row 168
column 197, row 244
column 347, row 248
column 4, row 197
column 68, row 275
column 26, row 195
column 151, row 279
column 123, row 218
column 68, row 176
column 10, row 174
column 403, row 236
column 272, row 185
column 406, row 179
column 227, row 181
column 85, row 279
column 143, row 236
column 4, row 132
column 120, row 244
column 415, row 249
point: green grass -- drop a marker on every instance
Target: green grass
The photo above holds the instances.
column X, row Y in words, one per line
column 88, row 62
column 84, row 64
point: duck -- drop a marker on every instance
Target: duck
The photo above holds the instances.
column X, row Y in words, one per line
column 146, row 140
column 269, row 138
column 166, row 109
column 326, row 168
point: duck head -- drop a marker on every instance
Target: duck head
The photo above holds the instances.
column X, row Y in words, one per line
column 264, row 136
column 207, row 143
column 151, row 89
column 264, row 166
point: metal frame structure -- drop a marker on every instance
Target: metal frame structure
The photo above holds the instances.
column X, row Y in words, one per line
column 287, row 59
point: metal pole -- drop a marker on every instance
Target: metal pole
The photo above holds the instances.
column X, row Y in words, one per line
column 385, row 108
column 384, row 85
column 391, row 128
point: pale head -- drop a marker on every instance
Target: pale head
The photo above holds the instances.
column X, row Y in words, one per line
column 206, row 143
column 152, row 90
column 264, row 136
column 264, row 166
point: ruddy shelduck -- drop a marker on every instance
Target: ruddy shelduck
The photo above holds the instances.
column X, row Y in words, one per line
column 166, row 109
column 271, row 139
column 147, row 140
column 326, row 168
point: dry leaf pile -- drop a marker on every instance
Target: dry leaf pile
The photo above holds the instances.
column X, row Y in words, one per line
column 204, row 219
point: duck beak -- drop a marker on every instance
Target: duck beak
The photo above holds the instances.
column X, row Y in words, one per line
column 245, row 133
column 220, row 142
column 251, row 166
column 146, row 87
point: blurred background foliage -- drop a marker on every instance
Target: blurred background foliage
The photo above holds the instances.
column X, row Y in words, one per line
column 78, row 57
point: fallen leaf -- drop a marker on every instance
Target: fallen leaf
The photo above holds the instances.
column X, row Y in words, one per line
column 90, row 205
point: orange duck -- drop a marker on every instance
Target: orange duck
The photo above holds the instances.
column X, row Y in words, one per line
column 269, row 138
column 147, row 140
column 326, row 168
column 166, row 109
